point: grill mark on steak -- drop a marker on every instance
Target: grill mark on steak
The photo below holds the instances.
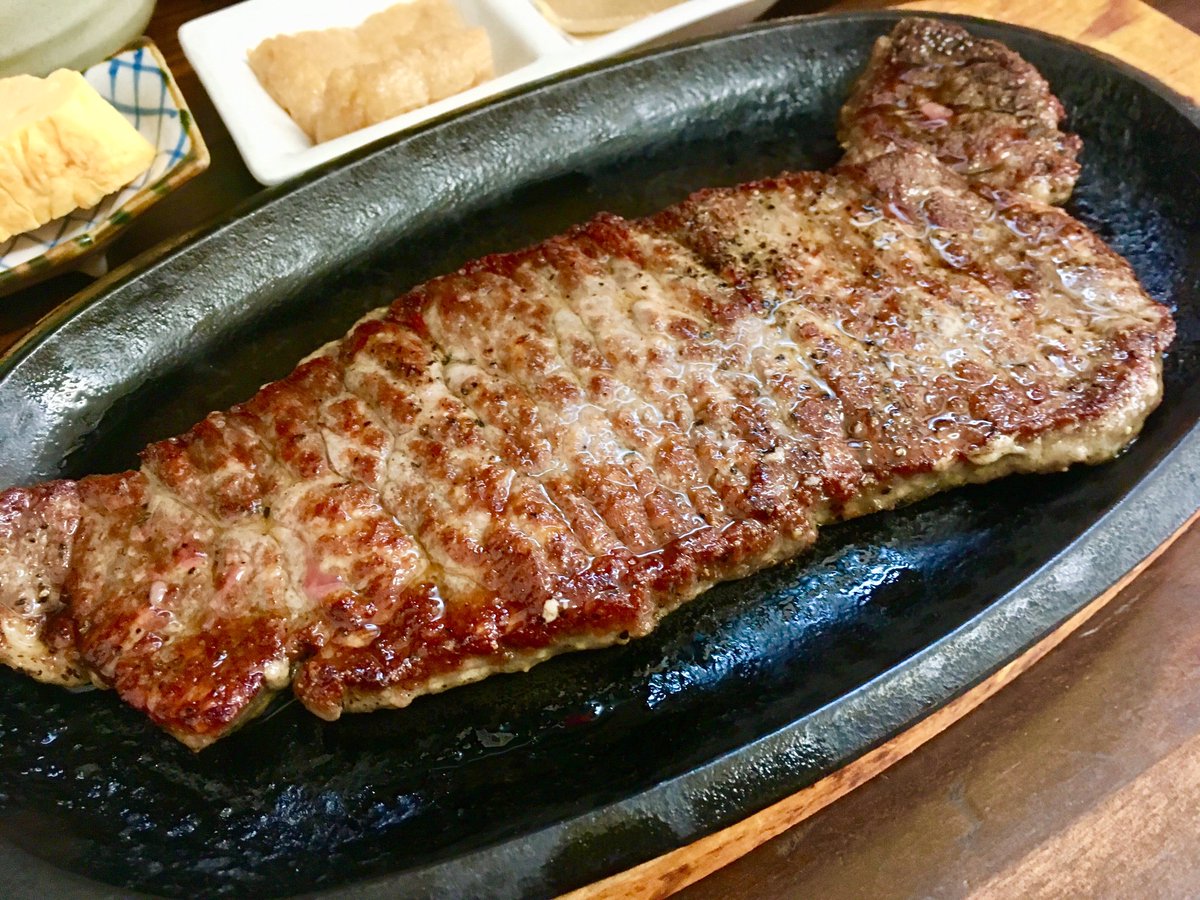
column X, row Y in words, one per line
column 152, row 624
column 861, row 362
column 676, row 355
column 709, row 373
column 524, row 399
column 554, row 448
column 796, row 421
column 599, row 371
column 655, row 367
column 343, row 555
column 566, row 425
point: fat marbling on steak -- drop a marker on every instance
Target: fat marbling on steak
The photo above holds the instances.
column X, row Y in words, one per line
column 552, row 449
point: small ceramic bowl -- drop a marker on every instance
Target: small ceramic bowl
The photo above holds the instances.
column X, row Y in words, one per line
column 138, row 83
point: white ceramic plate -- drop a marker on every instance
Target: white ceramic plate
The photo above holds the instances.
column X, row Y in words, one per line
column 525, row 46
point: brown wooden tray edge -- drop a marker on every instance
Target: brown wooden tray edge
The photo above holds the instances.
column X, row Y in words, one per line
column 672, row 872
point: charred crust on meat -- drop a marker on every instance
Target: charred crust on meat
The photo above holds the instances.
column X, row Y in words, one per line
column 978, row 106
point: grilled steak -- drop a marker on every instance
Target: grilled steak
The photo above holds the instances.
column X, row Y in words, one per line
column 981, row 109
column 552, row 449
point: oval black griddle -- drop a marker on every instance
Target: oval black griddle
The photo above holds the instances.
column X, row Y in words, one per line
column 531, row 784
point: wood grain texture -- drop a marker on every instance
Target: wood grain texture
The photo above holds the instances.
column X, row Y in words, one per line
column 671, row 872
column 1121, row 844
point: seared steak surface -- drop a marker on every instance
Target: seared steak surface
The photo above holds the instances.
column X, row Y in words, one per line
column 985, row 112
column 551, row 449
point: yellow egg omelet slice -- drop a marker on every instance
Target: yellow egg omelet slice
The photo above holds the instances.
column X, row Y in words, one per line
column 62, row 147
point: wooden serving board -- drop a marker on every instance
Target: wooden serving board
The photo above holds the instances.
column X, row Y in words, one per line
column 1147, row 39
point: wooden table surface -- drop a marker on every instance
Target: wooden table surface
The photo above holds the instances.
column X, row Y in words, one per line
column 1080, row 779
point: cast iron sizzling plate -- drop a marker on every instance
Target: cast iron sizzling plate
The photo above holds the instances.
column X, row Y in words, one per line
column 536, row 783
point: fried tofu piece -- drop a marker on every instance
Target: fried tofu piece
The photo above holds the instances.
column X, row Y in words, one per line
column 339, row 80
column 358, row 96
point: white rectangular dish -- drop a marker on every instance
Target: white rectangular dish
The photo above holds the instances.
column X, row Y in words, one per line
column 525, row 46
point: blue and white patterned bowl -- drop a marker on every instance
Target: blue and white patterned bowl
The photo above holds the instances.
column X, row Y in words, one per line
column 138, row 83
